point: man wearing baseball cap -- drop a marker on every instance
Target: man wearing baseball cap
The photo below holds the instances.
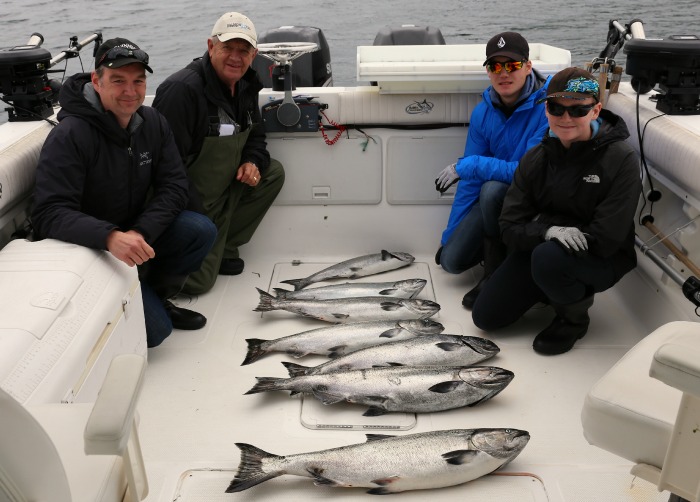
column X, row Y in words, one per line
column 110, row 177
column 212, row 107
column 503, row 126
column 568, row 217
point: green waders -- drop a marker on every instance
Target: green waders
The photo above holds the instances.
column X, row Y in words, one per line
column 234, row 207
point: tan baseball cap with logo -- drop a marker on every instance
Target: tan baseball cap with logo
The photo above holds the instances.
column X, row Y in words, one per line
column 235, row 25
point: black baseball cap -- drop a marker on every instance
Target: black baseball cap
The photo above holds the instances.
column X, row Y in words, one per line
column 118, row 52
column 509, row 44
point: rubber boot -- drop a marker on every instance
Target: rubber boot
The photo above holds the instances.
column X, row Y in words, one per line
column 569, row 325
column 167, row 287
column 494, row 254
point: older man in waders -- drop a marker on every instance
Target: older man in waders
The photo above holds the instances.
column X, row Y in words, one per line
column 212, row 107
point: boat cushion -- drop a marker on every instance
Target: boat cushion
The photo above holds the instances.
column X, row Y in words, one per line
column 629, row 413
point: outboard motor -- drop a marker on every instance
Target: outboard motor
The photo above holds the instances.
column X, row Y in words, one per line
column 24, row 83
column 310, row 70
column 409, row 34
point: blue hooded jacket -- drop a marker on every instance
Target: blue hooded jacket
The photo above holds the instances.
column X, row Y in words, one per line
column 495, row 144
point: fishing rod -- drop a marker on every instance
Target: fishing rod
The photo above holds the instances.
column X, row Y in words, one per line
column 24, row 82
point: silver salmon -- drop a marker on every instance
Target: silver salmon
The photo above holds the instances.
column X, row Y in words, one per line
column 408, row 288
column 356, row 267
column 426, row 350
column 390, row 464
column 340, row 339
column 407, row 389
column 337, row 310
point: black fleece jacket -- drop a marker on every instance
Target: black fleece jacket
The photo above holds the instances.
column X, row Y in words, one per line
column 93, row 176
column 188, row 97
column 594, row 185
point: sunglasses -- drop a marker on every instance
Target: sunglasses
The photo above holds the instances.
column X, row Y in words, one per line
column 123, row 52
column 575, row 111
column 509, row 66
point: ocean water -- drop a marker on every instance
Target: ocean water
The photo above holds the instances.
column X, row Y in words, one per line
column 175, row 32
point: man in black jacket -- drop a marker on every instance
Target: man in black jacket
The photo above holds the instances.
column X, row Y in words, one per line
column 109, row 177
column 212, row 107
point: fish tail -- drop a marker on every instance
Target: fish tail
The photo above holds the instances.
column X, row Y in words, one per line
column 267, row 302
column 255, row 350
column 250, row 469
column 296, row 370
column 265, row 384
column 297, row 283
column 281, row 293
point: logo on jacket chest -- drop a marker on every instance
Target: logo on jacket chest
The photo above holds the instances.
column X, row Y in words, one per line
column 591, row 178
column 145, row 159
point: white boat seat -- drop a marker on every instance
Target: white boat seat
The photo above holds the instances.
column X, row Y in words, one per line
column 646, row 409
column 76, row 452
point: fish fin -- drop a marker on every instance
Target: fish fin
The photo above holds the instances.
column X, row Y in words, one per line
column 297, row 283
column 326, row 397
column 374, row 411
column 377, row 437
column 250, row 471
column 460, row 457
column 266, row 302
column 388, row 291
column 255, row 350
column 379, row 491
column 445, row 387
column 391, row 333
column 386, row 481
column 320, row 480
column 386, row 365
column 340, row 316
column 265, row 384
column 355, row 269
column 295, row 370
column 281, row 293
column 386, row 255
column 449, row 346
column 390, row 306
column 337, row 351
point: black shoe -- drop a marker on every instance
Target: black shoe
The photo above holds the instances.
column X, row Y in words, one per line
column 437, row 256
column 569, row 325
column 231, row 266
column 470, row 298
column 183, row 318
column 559, row 337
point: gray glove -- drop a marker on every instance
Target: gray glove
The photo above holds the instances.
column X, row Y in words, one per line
column 446, row 178
column 569, row 237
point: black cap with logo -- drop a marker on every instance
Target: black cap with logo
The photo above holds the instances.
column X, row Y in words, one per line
column 508, row 44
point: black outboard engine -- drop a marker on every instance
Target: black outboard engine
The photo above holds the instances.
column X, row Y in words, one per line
column 310, row 70
column 24, row 81
column 674, row 64
column 409, row 34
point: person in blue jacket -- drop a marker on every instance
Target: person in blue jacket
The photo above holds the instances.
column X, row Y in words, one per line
column 110, row 177
column 503, row 126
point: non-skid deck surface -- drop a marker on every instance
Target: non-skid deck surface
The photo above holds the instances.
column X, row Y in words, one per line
column 193, row 408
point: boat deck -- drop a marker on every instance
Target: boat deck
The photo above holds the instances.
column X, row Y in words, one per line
column 193, row 408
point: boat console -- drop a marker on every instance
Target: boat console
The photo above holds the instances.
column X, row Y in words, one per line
column 672, row 63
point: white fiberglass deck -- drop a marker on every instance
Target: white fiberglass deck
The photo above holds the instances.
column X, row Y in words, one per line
column 193, row 408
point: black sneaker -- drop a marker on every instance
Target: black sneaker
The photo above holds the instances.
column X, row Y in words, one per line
column 469, row 299
column 231, row 266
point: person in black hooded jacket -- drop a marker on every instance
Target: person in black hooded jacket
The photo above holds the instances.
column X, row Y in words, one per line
column 568, row 217
column 110, row 177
